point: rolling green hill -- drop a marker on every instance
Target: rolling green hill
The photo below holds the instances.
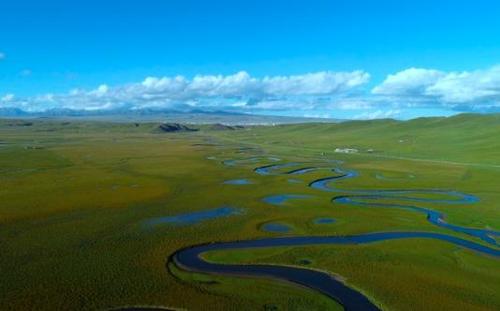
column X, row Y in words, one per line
column 466, row 138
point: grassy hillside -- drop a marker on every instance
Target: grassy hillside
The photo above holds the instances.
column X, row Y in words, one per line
column 462, row 138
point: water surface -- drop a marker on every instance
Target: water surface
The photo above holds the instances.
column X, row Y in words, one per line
column 270, row 169
column 324, row 220
column 369, row 198
column 238, row 182
column 280, row 199
column 301, row 171
column 191, row 259
column 276, row 227
column 195, row 217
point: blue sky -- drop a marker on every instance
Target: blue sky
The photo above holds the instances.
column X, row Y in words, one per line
column 321, row 58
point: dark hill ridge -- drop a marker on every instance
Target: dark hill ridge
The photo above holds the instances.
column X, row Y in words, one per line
column 175, row 127
column 222, row 127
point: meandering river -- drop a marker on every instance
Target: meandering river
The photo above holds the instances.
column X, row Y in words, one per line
column 190, row 259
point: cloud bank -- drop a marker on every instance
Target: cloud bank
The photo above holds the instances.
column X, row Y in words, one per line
column 468, row 89
column 324, row 93
column 237, row 90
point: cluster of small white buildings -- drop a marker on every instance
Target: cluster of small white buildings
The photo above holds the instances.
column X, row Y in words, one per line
column 346, row 150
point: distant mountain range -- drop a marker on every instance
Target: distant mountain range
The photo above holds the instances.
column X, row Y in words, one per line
column 192, row 116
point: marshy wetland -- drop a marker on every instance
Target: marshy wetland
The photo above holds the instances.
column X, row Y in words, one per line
column 112, row 215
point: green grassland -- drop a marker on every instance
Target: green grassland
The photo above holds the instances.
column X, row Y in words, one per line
column 462, row 138
column 76, row 197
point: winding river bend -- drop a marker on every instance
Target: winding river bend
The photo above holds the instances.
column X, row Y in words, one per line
column 360, row 198
column 190, row 259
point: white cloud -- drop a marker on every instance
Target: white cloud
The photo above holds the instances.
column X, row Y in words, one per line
column 237, row 85
column 319, row 83
column 472, row 89
column 7, row 98
column 352, row 104
column 242, row 84
column 101, row 90
column 378, row 114
column 409, row 82
column 468, row 87
column 240, row 91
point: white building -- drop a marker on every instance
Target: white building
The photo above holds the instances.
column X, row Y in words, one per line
column 346, row 150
